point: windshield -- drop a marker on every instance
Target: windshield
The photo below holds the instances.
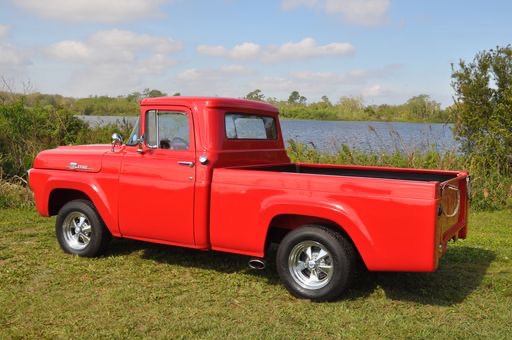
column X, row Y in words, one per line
column 134, row 136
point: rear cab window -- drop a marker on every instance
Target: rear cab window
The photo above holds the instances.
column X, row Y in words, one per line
column 243, row 126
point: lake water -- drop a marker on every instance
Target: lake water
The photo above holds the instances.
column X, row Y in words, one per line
column 370, row 136
column 365, row 136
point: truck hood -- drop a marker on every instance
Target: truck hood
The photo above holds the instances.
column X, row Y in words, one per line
column 83, row 158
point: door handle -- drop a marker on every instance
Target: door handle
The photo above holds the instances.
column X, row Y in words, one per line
column 186, row 163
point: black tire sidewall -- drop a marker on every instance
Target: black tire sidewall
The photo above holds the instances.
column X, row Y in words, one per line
column 341, row 260
column 97, row 228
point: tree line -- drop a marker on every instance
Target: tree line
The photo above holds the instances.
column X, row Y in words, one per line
column 419, row 108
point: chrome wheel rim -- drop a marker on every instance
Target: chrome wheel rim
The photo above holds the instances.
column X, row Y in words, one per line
column 310, row 264
column 77, row 230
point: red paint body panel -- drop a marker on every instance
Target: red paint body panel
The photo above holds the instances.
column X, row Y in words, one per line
column 162, row 188
column 391, row 222
column 230, row 203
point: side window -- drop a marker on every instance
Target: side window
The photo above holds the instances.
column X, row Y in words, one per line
column 134, row 136
column 151, row 128
column 167, row 130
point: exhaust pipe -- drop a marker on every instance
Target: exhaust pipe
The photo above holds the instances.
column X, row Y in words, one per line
column 257, row 264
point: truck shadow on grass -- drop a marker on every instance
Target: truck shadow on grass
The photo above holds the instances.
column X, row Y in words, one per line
column 189, row 258
column 461, row 271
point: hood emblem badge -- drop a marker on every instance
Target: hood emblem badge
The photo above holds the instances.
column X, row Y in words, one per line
column 76, row 166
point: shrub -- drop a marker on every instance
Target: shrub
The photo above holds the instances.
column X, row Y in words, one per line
column 26, row 131
column 15, row 195
column 483, row 110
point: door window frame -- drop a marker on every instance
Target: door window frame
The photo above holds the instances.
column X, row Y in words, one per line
column 178, row 109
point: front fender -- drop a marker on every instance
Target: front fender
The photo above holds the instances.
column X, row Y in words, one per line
column 103, row 195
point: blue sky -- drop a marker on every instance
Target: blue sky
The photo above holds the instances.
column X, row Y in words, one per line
column 384, row 51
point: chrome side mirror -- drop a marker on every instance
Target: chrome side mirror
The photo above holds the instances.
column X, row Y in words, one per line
column 116, row 140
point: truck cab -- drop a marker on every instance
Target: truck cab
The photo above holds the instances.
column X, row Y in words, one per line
column 169, row 159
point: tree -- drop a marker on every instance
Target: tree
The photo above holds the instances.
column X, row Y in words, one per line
column 350, row 108
column 296, row 98
column 422, row 107
column 152, row 93
column 326, row 101
column 134, row 96
column 483, row 107
column 255, row 95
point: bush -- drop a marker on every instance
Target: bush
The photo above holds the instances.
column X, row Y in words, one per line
column 15, row 195
column 26, row 131
column 483, row 110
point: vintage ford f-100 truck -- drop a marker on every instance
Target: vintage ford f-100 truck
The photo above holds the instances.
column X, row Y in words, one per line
column 213, row 174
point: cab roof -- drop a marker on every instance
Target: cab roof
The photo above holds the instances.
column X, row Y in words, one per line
column 209, row 102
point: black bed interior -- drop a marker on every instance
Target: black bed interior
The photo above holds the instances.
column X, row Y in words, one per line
column 389, row 174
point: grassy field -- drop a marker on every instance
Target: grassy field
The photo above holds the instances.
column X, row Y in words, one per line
column 145, row 290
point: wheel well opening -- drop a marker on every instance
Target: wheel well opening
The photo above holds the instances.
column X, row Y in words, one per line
column 59, row 197
column 283, row 224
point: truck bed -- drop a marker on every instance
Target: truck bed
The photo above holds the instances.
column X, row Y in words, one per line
column 392, row 215
column 367, row 172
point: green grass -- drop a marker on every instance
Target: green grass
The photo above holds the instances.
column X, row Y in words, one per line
column 144, row 290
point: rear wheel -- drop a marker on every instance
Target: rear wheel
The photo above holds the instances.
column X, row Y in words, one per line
column 315, row 263
column 80, row 230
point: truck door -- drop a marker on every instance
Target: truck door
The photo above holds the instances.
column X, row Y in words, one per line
column 157, row 185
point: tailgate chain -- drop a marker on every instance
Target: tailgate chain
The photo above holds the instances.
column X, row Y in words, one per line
column 455, row 188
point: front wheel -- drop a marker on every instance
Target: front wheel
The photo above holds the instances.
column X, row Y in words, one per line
column 315, row 263
column 80, row 230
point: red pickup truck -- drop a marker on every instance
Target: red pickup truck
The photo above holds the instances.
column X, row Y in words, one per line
column 213, row 174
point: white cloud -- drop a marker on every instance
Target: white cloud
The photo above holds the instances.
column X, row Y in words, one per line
column 130, row 40
column 114, row 46
column 291, row 4
column 103, row 79
column 368, row 83
column 357, row 12
column 306, row 48
column 350, row 77
column 360, row 12
column 236, row 69
column 238, row 80
column 10, row 55
column 245, row 51
column 113, row 61
column 213, row 74
column 227, row 80
column 4, row 29
column 373, row 91
column 92, row 10
column 70, row 50
column 155, row 64
column 214, row 51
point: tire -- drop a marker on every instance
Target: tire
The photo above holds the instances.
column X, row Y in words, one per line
column 316, row 263
column 80, row 229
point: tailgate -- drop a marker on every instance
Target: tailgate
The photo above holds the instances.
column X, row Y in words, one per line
column 452, row 213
